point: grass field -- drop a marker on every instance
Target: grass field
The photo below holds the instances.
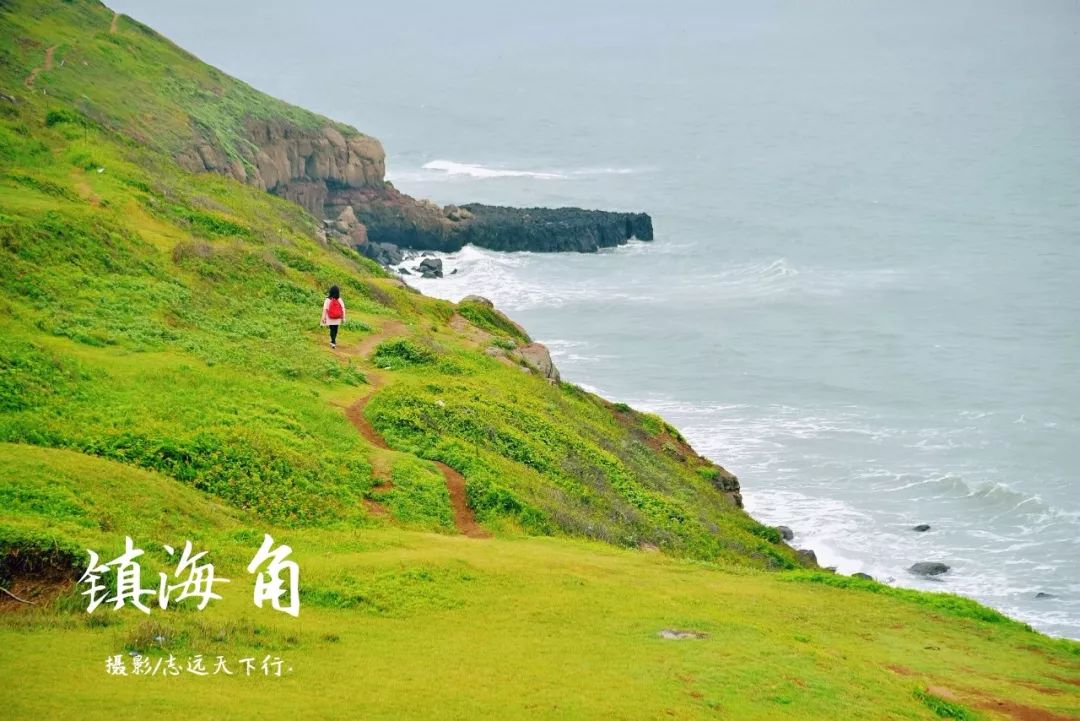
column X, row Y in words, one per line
column 474, row 541
column 399, row 624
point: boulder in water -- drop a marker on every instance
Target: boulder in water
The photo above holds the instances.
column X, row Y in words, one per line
column 381, row 253
column 431, row 268
column 929, row 568
column 921, row 528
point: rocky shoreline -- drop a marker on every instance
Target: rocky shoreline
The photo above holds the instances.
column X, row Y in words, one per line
column 392, row 222
column 338, row 174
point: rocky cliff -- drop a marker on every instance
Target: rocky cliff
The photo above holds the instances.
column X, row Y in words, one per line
column 334, row 172
column 391, row 217
column 304, row 165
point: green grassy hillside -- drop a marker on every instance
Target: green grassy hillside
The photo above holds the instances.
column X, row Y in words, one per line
column 475, row 541
column 128, row 78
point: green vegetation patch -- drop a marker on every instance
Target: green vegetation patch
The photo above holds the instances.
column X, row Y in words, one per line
column 491, row 320
column 419, row 498
column 945, row 603
column 945, row 709
column 402, row 353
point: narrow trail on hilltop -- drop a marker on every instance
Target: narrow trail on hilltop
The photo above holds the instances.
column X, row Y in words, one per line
column 112, row 25
column 464, row 518
column 32, row 77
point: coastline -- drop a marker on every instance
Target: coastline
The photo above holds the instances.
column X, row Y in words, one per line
column 846, row 523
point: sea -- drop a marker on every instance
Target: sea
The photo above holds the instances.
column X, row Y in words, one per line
column 864, row 289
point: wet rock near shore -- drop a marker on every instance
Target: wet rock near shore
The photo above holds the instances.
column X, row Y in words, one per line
column 785, row 533
column 390, row 216
column 929, row 568
column 921, row 528
column 381, row 253
column 430, row 268
column 548, row 230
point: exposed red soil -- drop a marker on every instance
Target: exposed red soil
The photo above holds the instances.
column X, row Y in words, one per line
column 464, row 518
column 355, row 414
column 35, row 592
column 1019, row 712
column 32, row 77
column 1001, row 707
column 1040, row 688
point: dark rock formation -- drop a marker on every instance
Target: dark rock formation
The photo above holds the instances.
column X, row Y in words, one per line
column 808, row 557
column 864, row 576
column 549, row 229
column 785, row 533
column 335, row 171
column 929, row 568
column 393, row 217
column 921, row 528
column 383, row 253
column 430, row 268
column 726, row 482
column 1043, row 594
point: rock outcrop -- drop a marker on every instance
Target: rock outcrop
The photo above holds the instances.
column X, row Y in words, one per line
column 430, row 268
column 383, row 253
column 304, row 165
column 537, row 357
column 727, row 483
column 335, row 172
column 548, row 229
column 929, row 568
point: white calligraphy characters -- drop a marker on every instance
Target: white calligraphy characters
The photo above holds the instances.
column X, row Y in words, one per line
column 117, row 665
column 269, row 584
column 278, row 582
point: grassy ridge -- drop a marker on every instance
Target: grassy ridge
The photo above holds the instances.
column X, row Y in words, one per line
column 133, row 80
column 163, row 376
column 168, row 321
column 398, row 624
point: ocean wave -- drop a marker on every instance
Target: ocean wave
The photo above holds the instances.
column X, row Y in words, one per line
column 502, row 278
column 572, row 351
column 994, row 497
column 475, row 170
column 454, row 169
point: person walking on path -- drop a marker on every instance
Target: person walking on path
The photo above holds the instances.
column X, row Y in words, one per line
column 333, row 313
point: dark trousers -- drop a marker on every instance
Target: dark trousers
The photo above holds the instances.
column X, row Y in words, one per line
column 333, row 334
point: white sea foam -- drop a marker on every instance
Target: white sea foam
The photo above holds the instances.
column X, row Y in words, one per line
column 505, row 278
column 455, row 170
column 850, row 479
column 474, row 170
